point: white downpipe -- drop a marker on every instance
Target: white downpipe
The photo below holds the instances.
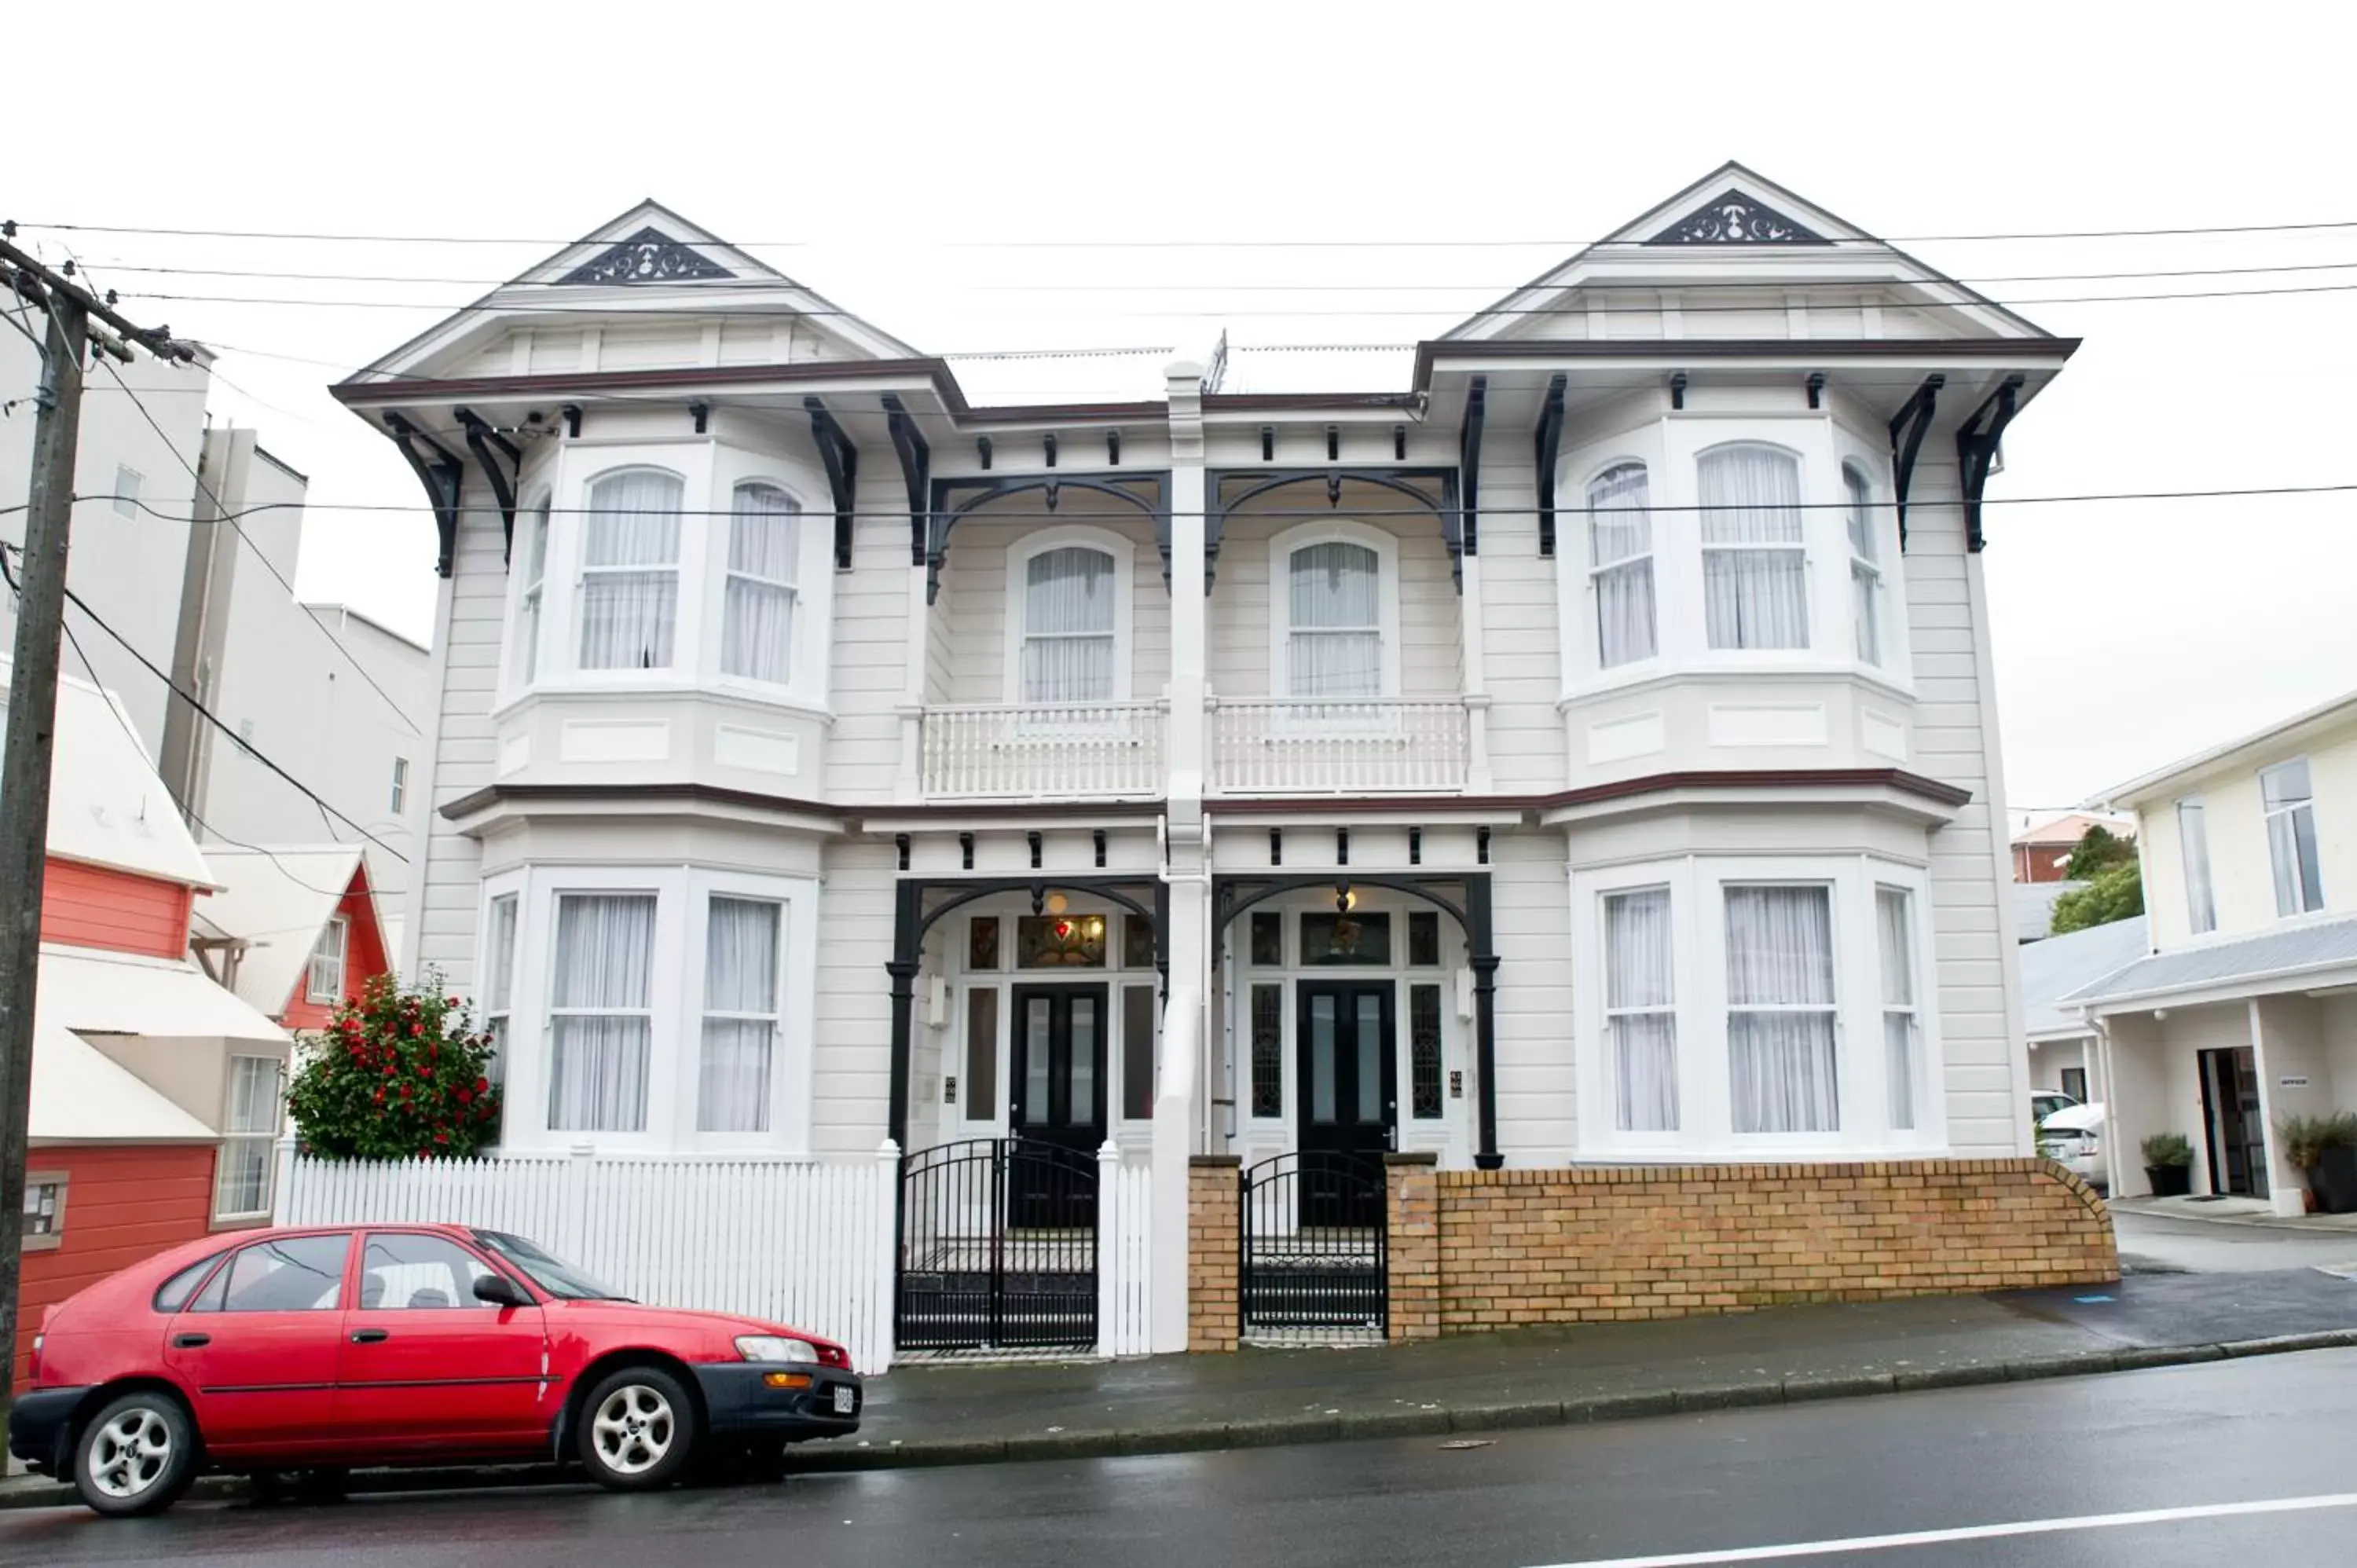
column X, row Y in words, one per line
column 1174, row 1105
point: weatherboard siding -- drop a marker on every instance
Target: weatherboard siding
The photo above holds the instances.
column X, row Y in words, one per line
column 121, row 911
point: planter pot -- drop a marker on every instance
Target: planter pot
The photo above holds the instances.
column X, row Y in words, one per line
column 2334, row 1181
column 2170, row 1181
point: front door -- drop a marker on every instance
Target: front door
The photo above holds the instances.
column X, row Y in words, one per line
column 1057, row 1104
column 1347, row 1075
column 2238, row 1130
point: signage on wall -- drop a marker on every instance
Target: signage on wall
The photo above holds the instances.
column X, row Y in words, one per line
column 2292, row 1080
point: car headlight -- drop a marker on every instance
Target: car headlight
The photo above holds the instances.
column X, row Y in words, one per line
column 775, row 1347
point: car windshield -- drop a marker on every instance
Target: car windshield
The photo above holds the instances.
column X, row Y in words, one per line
column 558, row 1279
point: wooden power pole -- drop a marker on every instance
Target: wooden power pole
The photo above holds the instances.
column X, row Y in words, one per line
column 78, row 322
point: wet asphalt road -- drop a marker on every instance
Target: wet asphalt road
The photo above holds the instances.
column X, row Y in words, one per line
column 2277, row 1428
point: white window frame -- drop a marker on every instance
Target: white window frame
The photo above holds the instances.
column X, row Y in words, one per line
column 400, row 792
column 1341, row 531
column 1868, row 636
column 1597, row 571
column 2310, row 900
column 1020, row 557
column 1611, row 1015
column 126, row 495
column 2193, row 853
column 683, row 622
column 652, row 1011
column 337, row 934
column 37, row 1181
column 266, row 1137
column 1912, row 1009
column 498, row 1012
column 775, row 1017
column 795, row 639
column 526, row 660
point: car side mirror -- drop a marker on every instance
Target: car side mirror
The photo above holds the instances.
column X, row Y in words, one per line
column 500, row 1290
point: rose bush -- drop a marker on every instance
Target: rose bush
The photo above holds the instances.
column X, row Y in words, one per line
column 396, row 1075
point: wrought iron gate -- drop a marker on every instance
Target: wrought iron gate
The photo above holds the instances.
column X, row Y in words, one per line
column 1315, row 1240
column 998, row 1248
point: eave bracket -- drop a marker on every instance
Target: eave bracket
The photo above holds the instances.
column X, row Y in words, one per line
column 1546, row 443
column 502, row 463
column 443, row 474
column 1978, row 443
column 1908, row 427
column 841, row 457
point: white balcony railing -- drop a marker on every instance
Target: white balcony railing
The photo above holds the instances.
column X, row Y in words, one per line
column 1051, row 752
column 1362, row 745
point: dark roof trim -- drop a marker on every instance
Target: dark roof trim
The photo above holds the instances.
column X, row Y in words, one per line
column 716, row 795
column 1672, row 351
column 1248, row 403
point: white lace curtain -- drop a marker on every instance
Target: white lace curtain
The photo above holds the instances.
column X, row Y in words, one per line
column 757, row 618
column 740, row 1015
column 1335, row 644
column 1755, row 571
column 630, row 572
column 1865, row 565
column 1641, row 1009
column 499, row 984
column 1067, row 625
column 1779, row 1022
column 1621, row 543
column 600, row 1020
column 1894, row 936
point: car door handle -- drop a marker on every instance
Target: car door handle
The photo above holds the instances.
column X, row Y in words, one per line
column 190, row 1341
column 369, row 1335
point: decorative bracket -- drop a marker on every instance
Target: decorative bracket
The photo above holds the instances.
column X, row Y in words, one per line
column 916, row 472
column 1915, row 418
column 1976, row 449
column 1468, row 479
column 933, row 540
column 842, row 459
column 443, row 474
column 1401, row 481
column 1816, row 385
column 482, row 440
column 1547, row 444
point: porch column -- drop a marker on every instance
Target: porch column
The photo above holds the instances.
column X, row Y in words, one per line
column 910, row 710
column 908, row 910
column 1476, row 680
column 1481, row 954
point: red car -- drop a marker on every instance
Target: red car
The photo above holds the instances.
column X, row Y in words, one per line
column 320, row 1348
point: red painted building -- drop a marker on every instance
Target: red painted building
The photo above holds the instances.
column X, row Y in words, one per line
column 298, row 928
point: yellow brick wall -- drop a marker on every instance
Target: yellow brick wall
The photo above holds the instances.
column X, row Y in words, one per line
column 1414, row 1243
column 1213, row 1214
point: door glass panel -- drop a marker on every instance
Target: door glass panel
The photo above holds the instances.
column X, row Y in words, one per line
column 1035, row 1031
column 1423, row 1050
column 1372, row 1045
column 1346, row 938
column 980, row 1054
column 1084, row 1100
column 1138, row 1051
column 1267, row 1050
column 1321, row 1059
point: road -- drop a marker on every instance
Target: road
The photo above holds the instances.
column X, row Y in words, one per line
column 1971, row 1466
column 2153, row 1241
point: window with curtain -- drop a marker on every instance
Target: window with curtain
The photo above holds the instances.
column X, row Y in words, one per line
column 630, row 571
column 1864, row 564
column 2291, row 837
column 250, row 1126
column 1641, row 1017
column 740, row 1014
column 600, row 1013
column 1779, row 1020
column 1894, row 925
column 757, row 616
column 1334, row 645
column 2193, row 845
column 324, row 976
column 1754, row 562
column 1067, row 625
column 526, row 655
column 1620, row 549
column 499, row 981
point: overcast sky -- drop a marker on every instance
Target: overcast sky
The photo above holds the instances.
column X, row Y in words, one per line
column 888, row 155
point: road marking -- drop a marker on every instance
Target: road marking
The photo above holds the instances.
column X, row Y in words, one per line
column 1973, row 1532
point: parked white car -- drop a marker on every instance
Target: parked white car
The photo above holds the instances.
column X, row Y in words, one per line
column 2045, row 1102
column 2074, row 1135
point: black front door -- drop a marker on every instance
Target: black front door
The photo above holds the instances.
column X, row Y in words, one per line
column 1349, row 1081
column 2230, row 1096
column 1058, row 1098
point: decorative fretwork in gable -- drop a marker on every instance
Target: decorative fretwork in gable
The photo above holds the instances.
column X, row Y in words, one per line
column 648, row 257
column 1735, row 219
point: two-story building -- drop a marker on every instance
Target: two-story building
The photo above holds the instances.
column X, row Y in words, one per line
column 2244, row 1011
column 1581, row 753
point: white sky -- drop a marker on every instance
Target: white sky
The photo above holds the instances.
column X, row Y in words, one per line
column 883, row 141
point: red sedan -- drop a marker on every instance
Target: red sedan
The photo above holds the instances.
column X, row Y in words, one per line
column 323, row 1348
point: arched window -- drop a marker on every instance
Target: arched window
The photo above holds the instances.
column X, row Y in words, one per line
column 524, row 654
column 1334, row 644
column 630, row 571
column 1621, row 551
column 757, row 616
column 1865, row 562
column 1754, row 567
column 1070, row 646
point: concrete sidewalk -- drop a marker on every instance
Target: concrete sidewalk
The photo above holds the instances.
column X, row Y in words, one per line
column 948, row 1414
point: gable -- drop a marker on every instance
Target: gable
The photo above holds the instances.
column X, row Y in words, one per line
column 648, row 257
column 1735, row 218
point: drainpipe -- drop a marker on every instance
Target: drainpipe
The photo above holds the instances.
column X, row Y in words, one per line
column 2111, row 1105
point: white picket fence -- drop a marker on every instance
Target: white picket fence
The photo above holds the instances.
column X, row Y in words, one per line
column 1125, row 1259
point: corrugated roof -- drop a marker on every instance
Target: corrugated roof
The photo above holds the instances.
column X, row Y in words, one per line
column 2058, row 966
column 107, row 807
column 2318, row 946
column 2033, row 907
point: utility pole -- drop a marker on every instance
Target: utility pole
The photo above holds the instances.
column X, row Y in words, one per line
column 68, row 310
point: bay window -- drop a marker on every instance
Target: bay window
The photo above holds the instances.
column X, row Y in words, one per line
column 630, row 571
column 1640, row 1010
column 1755, row 566
column 1620, row 548
column 499, row 980
column 742, row 951
column 1864, row 568
column 525, row 655
column 1780, row 1010
column 757, row 602
column 1070, row 644
column 1894, row 927
column 2290, row 810
column 1334, row 638
column 601, row 1012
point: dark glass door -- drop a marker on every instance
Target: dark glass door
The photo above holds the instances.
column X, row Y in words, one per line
column 1346, row 1070
column 1058, row 1099
column 2238, row 1148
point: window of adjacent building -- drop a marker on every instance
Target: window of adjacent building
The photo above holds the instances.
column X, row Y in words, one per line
column 126, row 491
column 1620, row 549
column 1640, row 1017
column 1864, row 564
column 499, row 981
column 630, row 571
column 757, row 621
column 1268, row 1050
column 1424, row 1051
column 1070, row 646
column 1334, row 640
column 526, row 654
column 601, row 1019
column 1894, row 923
column 45, row 1211
column 2074, row 1083
column 1780, row 1009
column 981, row 1053
column 293, row 1274
column 400, row 785
column 249, row 1128
column 324, row 979
column 2193, row 844
column 1137, row 1053
column 2291, row 837
column 741, row 948
column 1755, row 567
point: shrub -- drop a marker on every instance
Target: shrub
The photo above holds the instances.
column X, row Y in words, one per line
column 2164, row 1149
column 396, row 1075
column 2305, row 1138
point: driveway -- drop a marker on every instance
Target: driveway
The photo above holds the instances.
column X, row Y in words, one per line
column 2152, row 1244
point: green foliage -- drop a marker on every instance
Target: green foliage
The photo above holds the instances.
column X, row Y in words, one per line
column 2100, row 850
column 2164, row 1149
column 2305, row 1138
column 2114, row 895
column 396, row 1075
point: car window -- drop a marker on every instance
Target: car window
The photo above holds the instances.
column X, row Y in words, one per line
column 296, row 1273
column 405, row 1272
column 173, row 1294
column 558, row 1279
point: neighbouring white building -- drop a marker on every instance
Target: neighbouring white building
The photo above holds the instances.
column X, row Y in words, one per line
column 2244, row 1009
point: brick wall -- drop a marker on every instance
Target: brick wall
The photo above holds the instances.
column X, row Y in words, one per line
column 1413, row 1205
column 1565, row 1246
column 1214, row 1215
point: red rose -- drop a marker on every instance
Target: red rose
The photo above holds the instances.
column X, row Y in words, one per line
column 452, row 1001
column 466, row 1096
column 380, row 1097
column 416, row 1030
column 425, row 1072
column 482, row 1086
column 441, row 1137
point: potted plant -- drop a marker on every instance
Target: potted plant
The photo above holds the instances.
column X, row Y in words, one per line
column 2325, row 1149
column 2168, row 1164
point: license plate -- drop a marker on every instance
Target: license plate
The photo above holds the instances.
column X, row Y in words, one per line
column 847, row 1400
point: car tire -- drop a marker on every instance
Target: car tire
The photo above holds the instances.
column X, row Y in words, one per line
column 638, row 1430
column 136, row 1455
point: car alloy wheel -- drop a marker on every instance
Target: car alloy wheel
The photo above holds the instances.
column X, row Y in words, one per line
column 634, row 1429
column 131, row 1453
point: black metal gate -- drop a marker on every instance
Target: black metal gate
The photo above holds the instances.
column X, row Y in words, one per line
column 1316, row 1246
column 999, row 1247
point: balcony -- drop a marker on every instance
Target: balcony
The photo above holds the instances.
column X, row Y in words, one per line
column 1070, row 751
column 1354, row 747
